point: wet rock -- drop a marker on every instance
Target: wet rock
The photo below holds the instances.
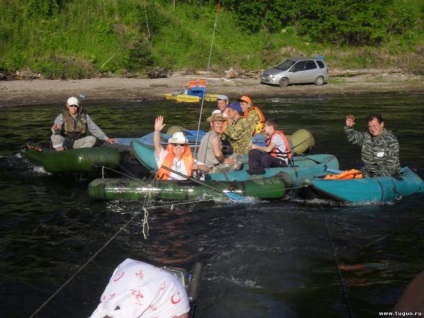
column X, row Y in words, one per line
column 158, row 72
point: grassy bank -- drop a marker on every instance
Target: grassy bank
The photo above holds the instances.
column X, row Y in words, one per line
column 88, row 38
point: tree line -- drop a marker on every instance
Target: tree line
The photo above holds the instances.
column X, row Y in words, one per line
column 79, row 38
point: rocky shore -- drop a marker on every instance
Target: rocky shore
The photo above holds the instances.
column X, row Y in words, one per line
column 342, row 82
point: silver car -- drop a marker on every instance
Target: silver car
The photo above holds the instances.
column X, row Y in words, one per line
column 297, row 71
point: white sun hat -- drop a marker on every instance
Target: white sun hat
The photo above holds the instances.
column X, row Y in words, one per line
column 178, row 138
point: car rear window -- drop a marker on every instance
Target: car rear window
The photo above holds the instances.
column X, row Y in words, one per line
column 321, row 64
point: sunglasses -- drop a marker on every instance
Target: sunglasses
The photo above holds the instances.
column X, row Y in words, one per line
column 74, row 106
column 181, row 145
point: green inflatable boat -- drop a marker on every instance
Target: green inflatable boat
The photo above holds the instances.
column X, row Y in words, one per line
column 74, row 160
column 170, row 190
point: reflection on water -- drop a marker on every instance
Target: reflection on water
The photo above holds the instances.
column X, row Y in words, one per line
column 285, row 258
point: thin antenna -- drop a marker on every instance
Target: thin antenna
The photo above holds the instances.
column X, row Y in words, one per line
column 218, row 7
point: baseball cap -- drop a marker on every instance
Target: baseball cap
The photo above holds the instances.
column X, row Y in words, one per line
column 236, row 106
column 246, row 99
column 72, row 101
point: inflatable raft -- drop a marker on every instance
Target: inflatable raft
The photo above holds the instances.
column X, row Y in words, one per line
column 185, row 98
column 301, row 140
column 367, row 190
column 304, row 167
column 74, row 160
column 194, row 92
column 193, row 136
column 170, row 190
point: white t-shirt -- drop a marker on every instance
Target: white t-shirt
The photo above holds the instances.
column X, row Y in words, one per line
column 280, row 145
column 178, row 166
column 137, row 289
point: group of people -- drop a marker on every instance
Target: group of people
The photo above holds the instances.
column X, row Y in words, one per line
column 234, row 123
column 237, row 122
column 137, row 289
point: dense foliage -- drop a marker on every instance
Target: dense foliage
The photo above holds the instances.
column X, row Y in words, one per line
column 82, row 38
column 351, row 22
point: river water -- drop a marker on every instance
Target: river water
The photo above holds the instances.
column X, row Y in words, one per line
column 286, row 258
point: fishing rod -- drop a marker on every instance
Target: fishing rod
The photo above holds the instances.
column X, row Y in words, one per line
column 207, row 71
column 233, row 196
column 302, row 142
column 83, row 267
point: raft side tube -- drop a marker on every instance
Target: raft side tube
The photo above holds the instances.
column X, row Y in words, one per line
column 74, row 160
column 301, row 141
column 137, row 189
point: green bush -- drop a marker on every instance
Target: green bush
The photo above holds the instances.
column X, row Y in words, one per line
column 63, row 67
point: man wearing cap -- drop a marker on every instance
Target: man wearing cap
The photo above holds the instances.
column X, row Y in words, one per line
column 222, row 104
column 71, row 126
column 176, row 161
column 238, row 130
column 210, row 156
column 253, row 114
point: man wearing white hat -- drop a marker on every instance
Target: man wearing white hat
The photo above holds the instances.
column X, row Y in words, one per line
column 71, row 126
column 210, row 156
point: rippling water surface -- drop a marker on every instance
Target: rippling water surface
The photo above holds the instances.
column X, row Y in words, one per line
column 284, row 258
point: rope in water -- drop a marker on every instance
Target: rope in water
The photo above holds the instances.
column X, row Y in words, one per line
column 336, row 260
column 82, row 267
column 145, row 223
column 99, row 251
column 147, row 204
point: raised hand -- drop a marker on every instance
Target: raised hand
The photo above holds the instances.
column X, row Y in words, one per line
column 350, row 121
column 159, row 123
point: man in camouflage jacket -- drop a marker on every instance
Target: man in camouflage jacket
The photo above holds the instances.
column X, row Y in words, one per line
column 380, row 147
column 238, row 130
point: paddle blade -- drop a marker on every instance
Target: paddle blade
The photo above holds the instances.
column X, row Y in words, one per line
column 235, row 197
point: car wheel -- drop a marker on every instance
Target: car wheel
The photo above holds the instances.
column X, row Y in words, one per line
column 283, row 82
column 319, row 81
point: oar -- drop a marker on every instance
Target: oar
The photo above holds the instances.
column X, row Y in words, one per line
column 316, row 161
column 233, row 196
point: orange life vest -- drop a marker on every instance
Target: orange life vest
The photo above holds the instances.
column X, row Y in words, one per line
column 260, row 124
column 275, row 152
column 347, row 174
column 168, row 161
